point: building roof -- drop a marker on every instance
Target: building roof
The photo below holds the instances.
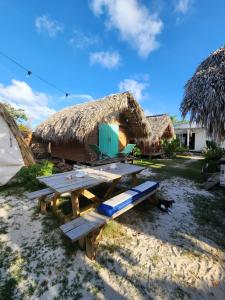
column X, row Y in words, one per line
column 188, row 125
column 78, row 121
column 25, row 150
column 161, row 126
column 204, row 96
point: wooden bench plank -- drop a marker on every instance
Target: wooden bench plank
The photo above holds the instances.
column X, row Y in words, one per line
column 82, row 226
column 39, row 193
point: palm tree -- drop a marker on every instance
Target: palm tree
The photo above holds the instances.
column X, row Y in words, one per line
column 204, row 96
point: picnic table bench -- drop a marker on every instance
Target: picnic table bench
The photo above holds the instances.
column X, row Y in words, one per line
column 88, row 228
column 68, row 182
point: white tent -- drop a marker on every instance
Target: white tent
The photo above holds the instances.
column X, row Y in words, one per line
column 14, row 153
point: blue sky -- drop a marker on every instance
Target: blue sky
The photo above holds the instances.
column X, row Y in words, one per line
column 94, row 48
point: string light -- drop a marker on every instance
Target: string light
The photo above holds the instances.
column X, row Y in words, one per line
column 29, row 73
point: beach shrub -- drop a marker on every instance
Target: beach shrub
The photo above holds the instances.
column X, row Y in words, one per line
column 27, row 175
column 170, row 147
column 137, row 152
column 213, row 153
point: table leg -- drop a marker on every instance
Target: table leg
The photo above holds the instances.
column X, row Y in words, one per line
column 134, row 180
column 92, row 241
column 75, row 204
column 55, row 202
column 112, row 187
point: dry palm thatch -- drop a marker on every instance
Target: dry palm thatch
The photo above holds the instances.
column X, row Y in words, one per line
column 204, row 95
column 78, row 121
column 25, row 151
column 162, row 127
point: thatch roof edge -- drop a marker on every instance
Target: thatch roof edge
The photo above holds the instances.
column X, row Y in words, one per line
column 78, row 121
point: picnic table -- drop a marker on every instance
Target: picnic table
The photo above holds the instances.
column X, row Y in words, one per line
column 70, row 182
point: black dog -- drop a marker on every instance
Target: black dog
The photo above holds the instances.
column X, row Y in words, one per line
column 164, row 205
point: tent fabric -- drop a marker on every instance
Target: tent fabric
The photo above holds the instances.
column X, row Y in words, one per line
column 113, row 205
column 11, row 159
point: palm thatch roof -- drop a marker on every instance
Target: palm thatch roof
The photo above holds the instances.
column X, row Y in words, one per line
column 78, row 121
column 204, row 96
column 162, row 127
column 25, row 151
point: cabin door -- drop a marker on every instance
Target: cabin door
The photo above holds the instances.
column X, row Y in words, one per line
column 109, row 138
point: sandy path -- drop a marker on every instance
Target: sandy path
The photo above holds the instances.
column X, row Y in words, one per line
column 153, row 255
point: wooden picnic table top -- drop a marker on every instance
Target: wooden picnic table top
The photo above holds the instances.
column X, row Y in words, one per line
column 68, row 181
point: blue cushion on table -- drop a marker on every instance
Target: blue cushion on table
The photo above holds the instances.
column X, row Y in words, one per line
column 120, row 201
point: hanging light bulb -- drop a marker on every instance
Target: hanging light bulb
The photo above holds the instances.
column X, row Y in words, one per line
column 28, row 73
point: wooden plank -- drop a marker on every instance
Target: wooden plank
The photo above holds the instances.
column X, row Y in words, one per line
column 75, row 204
column 128, row 207
column 87, row 194
column 72, row 224
column 39, row 193
column 111, row 188
column 82, row 226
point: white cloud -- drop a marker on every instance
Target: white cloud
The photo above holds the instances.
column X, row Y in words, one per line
column 135, row 24
column 80, row 40
column 20, row 95
column 182, row 6
column 108, row 59
column 44, row 24
column 137, row 88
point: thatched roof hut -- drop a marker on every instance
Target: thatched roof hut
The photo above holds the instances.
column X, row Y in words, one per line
column 162, row 127
column 78, row 121
column 204, row 96
column 111, row 122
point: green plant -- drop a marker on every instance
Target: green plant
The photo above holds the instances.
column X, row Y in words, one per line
column 212, row 154
column 211, row 145
column 137, row 152
column 27, row 175
column 170, row 147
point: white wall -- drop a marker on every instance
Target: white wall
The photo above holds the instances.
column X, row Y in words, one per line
column 200, row 139
column 11, row 159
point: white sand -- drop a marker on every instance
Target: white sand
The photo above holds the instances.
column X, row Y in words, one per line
column 158, row 256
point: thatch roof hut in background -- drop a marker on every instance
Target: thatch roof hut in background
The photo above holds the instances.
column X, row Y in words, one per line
column 71, row 130
column 14, row 152
column 162, row 128
column 204, row 96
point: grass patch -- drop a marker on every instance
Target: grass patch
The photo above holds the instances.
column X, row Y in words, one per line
column 177, row 167
column 113, row 230
column 210, row 216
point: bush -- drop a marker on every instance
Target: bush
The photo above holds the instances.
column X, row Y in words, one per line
column 137, row 152
column 170, row 147
column 212, row 154
column 27, row 175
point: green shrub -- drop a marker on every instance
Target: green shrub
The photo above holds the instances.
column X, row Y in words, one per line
column 170, row 147
column 212, row 154
column 137, row 152
column 27, row 175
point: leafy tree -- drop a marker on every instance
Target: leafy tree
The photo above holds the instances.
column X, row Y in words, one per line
column 18, row 114
column 175, row 120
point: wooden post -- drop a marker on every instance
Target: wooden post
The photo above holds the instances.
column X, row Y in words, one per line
column 82, row 243
column 112, row 187
column 92, row 241
column 75, row 204
column 55, row 202
column 134, row 180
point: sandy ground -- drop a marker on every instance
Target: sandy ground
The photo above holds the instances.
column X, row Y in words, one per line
column 152, row 255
